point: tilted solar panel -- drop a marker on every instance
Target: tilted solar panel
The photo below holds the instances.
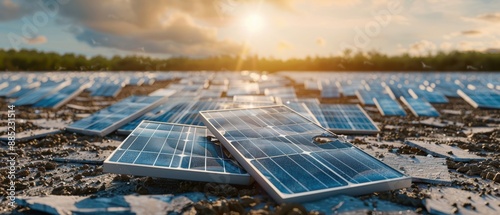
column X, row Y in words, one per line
column 347, row 119
column 389, row 107
column 420, row 107
column 174, row 151
column 113, row 117
column 296, row 160
column 481, row 98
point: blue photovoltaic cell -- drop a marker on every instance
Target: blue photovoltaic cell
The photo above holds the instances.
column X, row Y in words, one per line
column 279, row 148
column 107, row 90
column 420, row 107
column 347, row 119
column 56, row 99
column 432, row 97
column 111, row 118
column 366, row 97
column 38, row 94
column 12, row 88
column 481, row 98
column 330, row 91
column 301, row 108
column 389, row 107
column 174, row 151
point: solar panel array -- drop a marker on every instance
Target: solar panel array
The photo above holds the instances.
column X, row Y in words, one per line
column 347, row 119
column 389, row 107
column 286, row 154
column 174, row 151
column 111, row 118
column 420, row 107
column 38, row 94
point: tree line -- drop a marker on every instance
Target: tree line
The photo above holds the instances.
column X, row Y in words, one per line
column 33, row 60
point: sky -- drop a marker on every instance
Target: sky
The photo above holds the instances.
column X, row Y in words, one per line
column 280, row 29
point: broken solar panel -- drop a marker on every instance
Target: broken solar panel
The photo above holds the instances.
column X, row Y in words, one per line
column 389, row 107
column 420, row 107
column 347, row 119
column 111, row 118
column 481, row 99
column 295, row 159
column 174, row 151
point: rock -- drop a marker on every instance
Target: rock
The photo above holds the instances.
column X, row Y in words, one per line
column 497, row 177
column 463, row 169
column 490, row 175
column 23, row 173
column 50, row 165
column 248, row 201
column 77, row 177
column 142, row 190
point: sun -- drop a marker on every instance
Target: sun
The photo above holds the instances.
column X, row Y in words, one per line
column 254, row 23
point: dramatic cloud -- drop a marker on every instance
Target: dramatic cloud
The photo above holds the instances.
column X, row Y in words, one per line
column 162, row 27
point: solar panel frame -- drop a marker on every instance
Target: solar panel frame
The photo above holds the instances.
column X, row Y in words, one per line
column 270, row 184
column 199, row 143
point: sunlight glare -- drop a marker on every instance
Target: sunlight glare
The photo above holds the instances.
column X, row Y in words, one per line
column 254, row 23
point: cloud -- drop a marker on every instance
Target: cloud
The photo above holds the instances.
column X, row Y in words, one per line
column 490, row 17
column 422, row 47
column 10, row 10
column 471, row 33
column 159, row 26
column 320, row 41
column 40, row 39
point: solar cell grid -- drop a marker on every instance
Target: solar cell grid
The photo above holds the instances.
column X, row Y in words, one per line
column 389, row 107
column 481, row 99
column 174, row 151
column 347, row 119
column 420, row 107
column 278, row 148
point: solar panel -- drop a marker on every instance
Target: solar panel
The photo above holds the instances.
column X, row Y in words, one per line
column 330, row 91
column 113, row 117
column 166, row 112
column 389, row 107
column 12, row 88
column 366, row 97
column 38, row 94
column 254, row 99
column 301, row 108
column 432, row 97
column 311, row 85
column 174, row 151
column 282, row 92
column 347, row 119
column 59, row 98
column 481, row 99
column 296, row 160
column 420, row 107
column 107, row 90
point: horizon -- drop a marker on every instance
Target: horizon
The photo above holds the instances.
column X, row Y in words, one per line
column 284, row 29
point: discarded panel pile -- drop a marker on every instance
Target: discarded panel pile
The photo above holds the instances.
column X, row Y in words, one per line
column 295, row 159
